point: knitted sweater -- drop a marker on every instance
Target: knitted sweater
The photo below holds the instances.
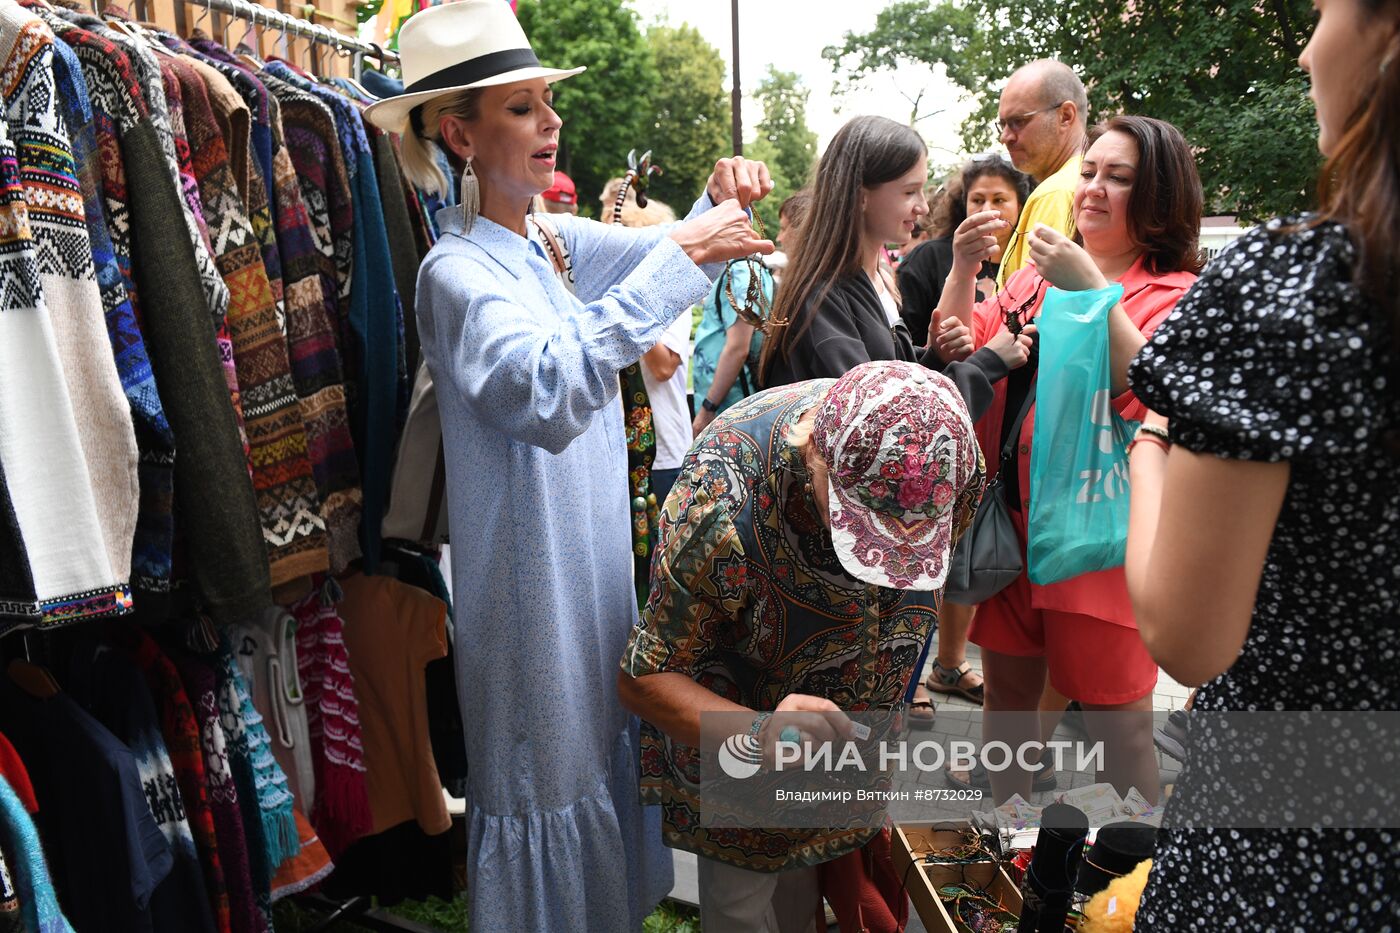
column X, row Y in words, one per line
column 226, row 555
column 235, row 848
column 38, row 902
column 111, row 687
column 151, row 549
column 372, row 354
column 180, row 729
column 289, row 253
column 286, row 492
column 315, row 358
column 19, row 603
column 45, row 474
column 189, row 189
column 342, row 812
column 58, row 221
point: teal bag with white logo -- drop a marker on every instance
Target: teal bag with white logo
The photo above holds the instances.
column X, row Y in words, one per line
column 1078, row 520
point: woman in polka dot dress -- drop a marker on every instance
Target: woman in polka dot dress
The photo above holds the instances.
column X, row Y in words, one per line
column 1276, row 378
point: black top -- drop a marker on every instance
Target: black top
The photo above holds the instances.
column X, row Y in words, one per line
column 921, row 276
column 850, row 327
column 1275, row 355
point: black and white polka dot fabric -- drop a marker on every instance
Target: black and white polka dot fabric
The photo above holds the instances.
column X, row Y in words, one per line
column 1276, row 355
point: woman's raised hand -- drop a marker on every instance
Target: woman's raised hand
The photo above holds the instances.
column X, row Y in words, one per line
column 975, row 240
column 740, row 179
column 1062, row 262
column 719, row 235
column 1014, row 349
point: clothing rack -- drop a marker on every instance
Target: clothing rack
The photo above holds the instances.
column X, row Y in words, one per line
column 290, row 27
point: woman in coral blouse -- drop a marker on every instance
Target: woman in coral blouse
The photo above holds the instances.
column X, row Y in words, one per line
column 1137, row 211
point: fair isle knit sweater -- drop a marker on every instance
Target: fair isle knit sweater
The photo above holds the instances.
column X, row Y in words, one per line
column 46, row 476
column 282, row 477
column 68, row 282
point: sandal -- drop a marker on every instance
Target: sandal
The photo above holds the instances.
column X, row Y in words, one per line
column 980, row 779
column 948, row 681
column 915, row 719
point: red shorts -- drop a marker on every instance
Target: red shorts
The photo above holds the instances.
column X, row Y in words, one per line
column 1090, row 660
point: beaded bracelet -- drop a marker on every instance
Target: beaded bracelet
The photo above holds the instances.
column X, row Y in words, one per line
column 758, row 722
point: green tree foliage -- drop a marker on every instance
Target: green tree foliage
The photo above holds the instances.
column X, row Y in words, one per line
column 606, row 109
column 1224, row 71
column 784, row 141
column 690, row 125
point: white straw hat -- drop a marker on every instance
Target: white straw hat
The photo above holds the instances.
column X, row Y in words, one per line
column 471, row 43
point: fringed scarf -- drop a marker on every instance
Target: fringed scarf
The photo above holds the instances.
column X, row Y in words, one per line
column 247, row 737
column 341, row 813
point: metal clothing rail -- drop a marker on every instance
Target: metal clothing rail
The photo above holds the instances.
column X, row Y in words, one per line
column 291, row 26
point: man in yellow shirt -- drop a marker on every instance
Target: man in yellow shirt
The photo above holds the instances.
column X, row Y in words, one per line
column 1042, row 119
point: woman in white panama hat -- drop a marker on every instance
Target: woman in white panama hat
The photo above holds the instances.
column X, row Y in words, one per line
column 525, row 361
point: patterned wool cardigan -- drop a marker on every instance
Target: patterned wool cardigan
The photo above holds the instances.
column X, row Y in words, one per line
column 226, row 558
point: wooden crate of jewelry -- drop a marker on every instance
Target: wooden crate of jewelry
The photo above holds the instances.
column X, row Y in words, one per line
column 913, row 842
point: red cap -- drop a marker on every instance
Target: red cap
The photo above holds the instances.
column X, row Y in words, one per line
column 563, row 191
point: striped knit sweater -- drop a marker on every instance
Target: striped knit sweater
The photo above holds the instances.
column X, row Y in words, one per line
column 221, row 534
column 372, row 352
column 45, row 473
column 342, row 812
column 325, row 185
column 58, row 223
column 246, row 901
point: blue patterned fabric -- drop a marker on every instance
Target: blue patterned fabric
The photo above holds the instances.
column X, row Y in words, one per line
column 38, row 903
column 527, row 378
column 151, row 553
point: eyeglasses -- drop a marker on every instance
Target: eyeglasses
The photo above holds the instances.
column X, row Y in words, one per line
column 1018, row 123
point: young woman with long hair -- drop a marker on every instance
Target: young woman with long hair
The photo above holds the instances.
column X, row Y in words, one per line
column 839, row 305
column 1272, row 501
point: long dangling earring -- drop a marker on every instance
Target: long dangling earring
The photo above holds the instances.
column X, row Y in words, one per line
column 471, row 197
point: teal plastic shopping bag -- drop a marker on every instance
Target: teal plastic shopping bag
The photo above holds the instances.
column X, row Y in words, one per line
column 1078, row 518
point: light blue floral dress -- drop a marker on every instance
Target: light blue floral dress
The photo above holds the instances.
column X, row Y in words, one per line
column 526, row 375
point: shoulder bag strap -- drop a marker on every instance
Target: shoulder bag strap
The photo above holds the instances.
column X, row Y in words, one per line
column 562, row 260
column 1014, row 437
